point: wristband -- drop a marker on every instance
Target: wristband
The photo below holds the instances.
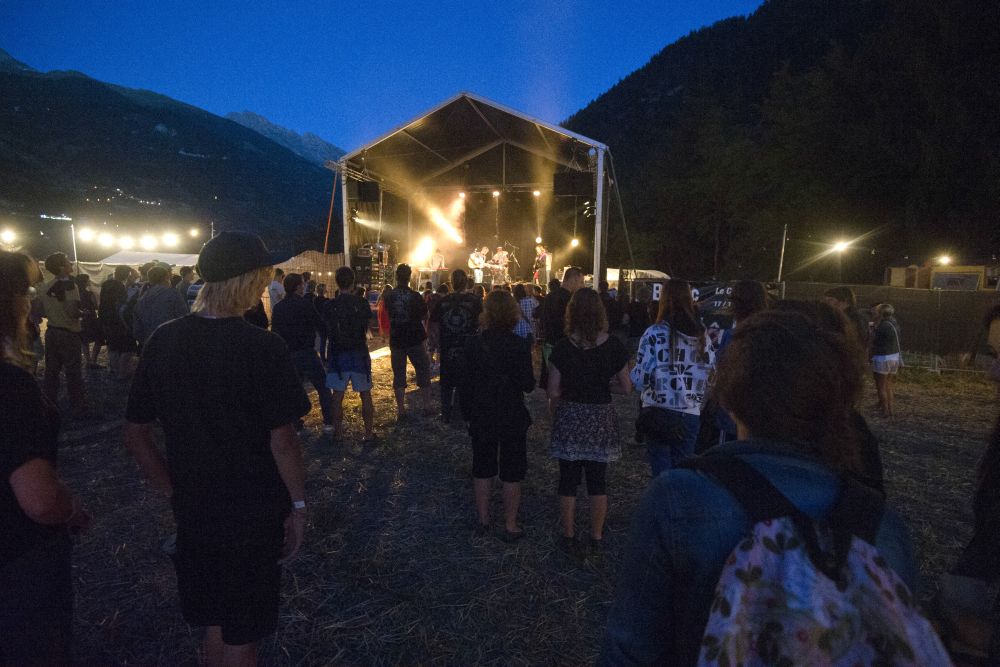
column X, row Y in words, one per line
column 299, row 505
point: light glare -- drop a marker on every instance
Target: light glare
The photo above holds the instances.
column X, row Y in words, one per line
column 841, row 246
column 171, row 240
column 8, row 236
column 106, row 240
column 86, row 234
column 148, row 242
column 575, row 242
column 126, row 243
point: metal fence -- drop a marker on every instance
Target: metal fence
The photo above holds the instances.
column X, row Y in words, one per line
column 939, row 329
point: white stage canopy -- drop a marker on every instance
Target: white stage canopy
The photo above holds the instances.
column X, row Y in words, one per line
column 470, row 143
column 138, row 258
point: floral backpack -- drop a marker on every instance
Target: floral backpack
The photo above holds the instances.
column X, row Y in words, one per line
column 803, row 592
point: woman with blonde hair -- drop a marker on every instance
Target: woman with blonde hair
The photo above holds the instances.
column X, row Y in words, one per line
column 227, row 396
column 37, row 510
column 585, row 368
column 886, row 358
column 497, row 374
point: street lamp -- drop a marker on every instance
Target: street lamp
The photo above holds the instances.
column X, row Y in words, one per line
column 944, row 260
column 841, row 246
column 575, row 242
column 8, row 236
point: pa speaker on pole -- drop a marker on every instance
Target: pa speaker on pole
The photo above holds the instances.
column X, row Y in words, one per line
column 368, row 191
column 573, row 183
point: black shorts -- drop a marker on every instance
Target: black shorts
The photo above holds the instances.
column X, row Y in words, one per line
column 496, row 452
column 570, row 473
column 233, row 581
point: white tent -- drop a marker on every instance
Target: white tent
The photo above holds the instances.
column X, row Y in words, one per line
column 138, row 258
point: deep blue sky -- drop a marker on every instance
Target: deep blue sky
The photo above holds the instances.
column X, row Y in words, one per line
column 350, row 71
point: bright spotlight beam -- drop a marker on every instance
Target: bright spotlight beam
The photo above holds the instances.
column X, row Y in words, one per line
column 171, row 240
column 86, row 234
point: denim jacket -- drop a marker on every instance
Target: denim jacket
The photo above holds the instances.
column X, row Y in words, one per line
column 685, row 527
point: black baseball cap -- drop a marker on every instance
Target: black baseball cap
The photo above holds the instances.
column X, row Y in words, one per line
column 232, row 254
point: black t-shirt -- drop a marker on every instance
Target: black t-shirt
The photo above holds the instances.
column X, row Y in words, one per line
column 554, row 314
column 113, row 295
column 347, row 318
column 458, row 315
column 218, row 387
column 29, row 429
column 407, row 310
column 585, row 373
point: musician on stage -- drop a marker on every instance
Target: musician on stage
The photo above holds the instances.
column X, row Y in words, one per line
column 477, row 260
column 437, row 266
column 542, row 265
column 501, row 258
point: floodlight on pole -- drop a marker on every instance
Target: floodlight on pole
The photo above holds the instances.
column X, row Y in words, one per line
column 538, row 239
column 8, row 236
column 461, row 195
column 944, row 260
column 194, row 233
column 171, row 240
column 575, row 242
column 537, row 193
column 106, row 240
column 496, row 193
column 87, row 234
column 126, row 243
column 841, row 246
column 148, row 242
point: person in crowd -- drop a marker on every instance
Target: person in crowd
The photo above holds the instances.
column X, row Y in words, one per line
column 886, row 357
column 968, row 602
column 554, row 314
column 257, row 316
column 842, row 298
column 749, row 297
column 90, row 327
column 60, row 301
column 297, row 322
column 38, row 510
column 276, row 290
column 407, row 338
column 479, row 291
column 158, row 304
column 306, row 277
column 523, row 327
column 320, row 304
column 585, row 367
column 790, row 387
column 187, row 279
column 498, row 372
column 433, row 299
column 233, row 468
column 192, row 291
column 456, row 318
column 638, row 317
column 310, row 290
column 671, row 371
column 347, row 320
column 384, row 325
column 121, row 345
column 611, row 309
column 527, row 303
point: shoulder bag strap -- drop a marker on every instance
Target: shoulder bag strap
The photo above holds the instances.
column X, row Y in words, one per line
column 758, row 497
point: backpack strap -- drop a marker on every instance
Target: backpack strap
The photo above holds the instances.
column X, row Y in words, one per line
column 758, row 497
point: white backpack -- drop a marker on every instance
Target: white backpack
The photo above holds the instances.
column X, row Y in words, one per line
column 801, row 592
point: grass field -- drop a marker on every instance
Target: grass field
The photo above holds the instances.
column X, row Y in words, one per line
column 392, row 572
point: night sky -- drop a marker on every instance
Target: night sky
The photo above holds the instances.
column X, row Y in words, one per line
column 350, row 72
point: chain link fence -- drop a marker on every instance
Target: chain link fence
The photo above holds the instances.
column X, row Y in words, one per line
column 940, row 330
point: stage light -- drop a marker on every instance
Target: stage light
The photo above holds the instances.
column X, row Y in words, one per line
column 8, row 236
column 106, row 240
column 148, row 242
column 194, row 233
column 126, row 243
column 86, row 234
column 841, row 246
column 421, row 255
column 575, row 242
column 537, row 193
column 944, row 260
column 461, row 195
column 171, row 240
column 496, row 193
column 538, row 239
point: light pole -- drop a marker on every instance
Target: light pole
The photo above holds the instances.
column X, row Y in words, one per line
column 76, row 262
column 840, row 247
column 781, row 261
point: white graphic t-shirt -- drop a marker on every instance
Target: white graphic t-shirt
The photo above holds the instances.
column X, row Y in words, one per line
column 676, row 381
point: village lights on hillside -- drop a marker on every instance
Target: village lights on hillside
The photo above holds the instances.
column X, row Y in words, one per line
column 8, row 236
column 944, row 260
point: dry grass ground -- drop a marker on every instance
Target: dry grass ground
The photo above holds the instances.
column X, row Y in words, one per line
column 392, row 572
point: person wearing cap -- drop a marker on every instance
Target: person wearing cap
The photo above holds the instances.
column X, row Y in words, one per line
column 233, row 465
column 158, row 304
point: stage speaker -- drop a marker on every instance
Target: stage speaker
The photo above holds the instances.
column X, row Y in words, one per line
column 573, row 183
column 368, row 191
column 362, row 258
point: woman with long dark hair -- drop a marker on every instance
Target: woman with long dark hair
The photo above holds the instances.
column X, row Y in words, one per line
column 671, row 371
column 37, row 510
column 585, row 368
column 790, row 387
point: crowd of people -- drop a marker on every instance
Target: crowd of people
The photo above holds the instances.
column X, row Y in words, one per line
column 777, row 395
